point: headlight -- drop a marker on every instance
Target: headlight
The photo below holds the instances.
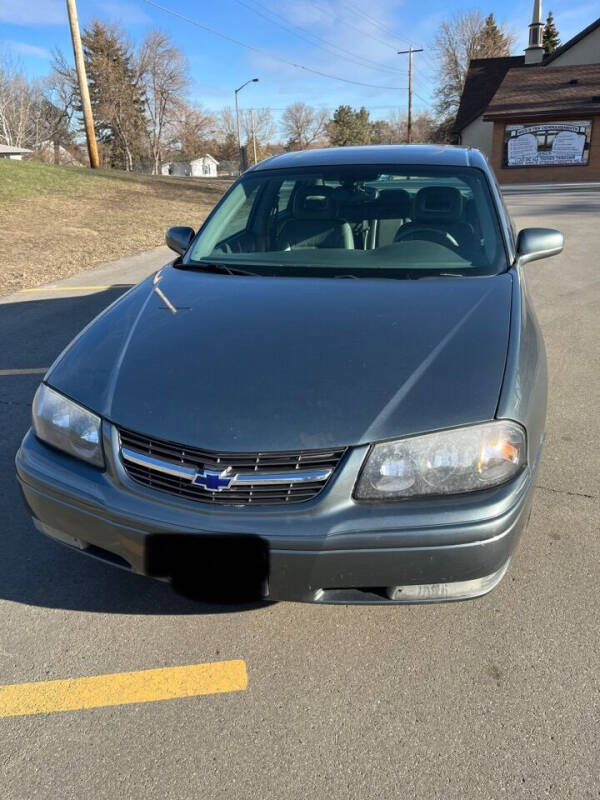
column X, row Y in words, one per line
column 448, row 462
column 67, row 426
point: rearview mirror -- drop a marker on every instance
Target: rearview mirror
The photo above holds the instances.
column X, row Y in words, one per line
column 179, row 238
column 535, row 243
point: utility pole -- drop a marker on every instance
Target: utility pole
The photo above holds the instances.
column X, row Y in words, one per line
column 252, row 127
column 237, row 119
column 410, row 52
column 239, row 131
column 86, row 106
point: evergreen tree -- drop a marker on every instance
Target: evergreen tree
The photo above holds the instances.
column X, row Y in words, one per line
column 550, row 40
column 115, row 94
column 348, row 127
column 228, row 150
column 492, row 41
column 382, row 132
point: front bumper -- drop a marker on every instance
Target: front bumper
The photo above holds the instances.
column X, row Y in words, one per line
column 330, row 549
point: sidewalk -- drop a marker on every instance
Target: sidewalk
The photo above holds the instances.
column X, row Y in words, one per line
column 507, row 188
column 125, row 271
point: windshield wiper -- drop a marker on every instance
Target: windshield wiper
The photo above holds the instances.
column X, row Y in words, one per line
column 225, row 269
column 441, row 275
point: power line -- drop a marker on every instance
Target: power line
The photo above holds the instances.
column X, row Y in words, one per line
column 422, row 99
column 430, row 62
column 369, row 107
column 344, row 21
column 321, row 108
column 375, row 22
column 261, row 51
column 312, row 38
column 420, row 72
column 420, row 81
column 382, row 26
column 362, row 32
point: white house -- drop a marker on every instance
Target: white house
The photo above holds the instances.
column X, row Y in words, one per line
column 16, row 153
column 203, row 167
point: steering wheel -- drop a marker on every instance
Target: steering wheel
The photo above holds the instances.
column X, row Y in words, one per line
column 433, row 235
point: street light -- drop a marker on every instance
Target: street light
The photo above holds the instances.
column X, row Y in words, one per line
column 237, row 117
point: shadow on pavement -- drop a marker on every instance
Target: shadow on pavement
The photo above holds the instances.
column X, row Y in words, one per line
column 33, row 569
column 34, row 332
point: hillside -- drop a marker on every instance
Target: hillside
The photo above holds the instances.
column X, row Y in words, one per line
column 57, row 221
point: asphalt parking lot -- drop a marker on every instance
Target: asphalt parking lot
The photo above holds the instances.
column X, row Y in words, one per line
column 494, row 698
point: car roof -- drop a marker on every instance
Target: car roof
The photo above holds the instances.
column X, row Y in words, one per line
column 396, row 154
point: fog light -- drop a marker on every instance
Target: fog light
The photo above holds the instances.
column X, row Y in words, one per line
column 438, row 592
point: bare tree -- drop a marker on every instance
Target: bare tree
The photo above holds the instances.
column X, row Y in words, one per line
column 34, row 114
column 226, row 131
column 423, row 124
column 303, row 125
column 264, row 129
column 465, row 36
column 61, row 87
column 226, row 124
column 398, row 122
column 56, row 115
column 19, row 105
column 59, row 90
column 192, row 131
column 226, row 135
column 164, row 78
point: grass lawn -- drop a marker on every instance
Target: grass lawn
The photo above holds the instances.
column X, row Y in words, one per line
column 57, row 221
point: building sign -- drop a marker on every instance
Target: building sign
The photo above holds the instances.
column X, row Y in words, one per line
column 547, row 144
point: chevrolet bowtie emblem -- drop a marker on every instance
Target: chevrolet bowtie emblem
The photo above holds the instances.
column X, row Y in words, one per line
column 213, row 480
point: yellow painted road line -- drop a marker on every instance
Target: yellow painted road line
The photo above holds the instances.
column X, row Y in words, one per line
column 120, row 688
column 70, row 288
column 32, row 371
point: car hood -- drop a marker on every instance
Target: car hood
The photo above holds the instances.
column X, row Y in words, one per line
column 246, row 363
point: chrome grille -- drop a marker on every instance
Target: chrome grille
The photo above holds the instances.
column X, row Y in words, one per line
column 244, row 466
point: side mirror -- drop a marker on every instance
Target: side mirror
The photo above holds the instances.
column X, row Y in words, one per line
column 535, row 243
column 179, row 238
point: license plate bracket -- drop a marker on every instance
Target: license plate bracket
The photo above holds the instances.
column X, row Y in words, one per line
column 218, row 568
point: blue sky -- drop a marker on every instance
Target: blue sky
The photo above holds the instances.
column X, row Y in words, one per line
column 357, row 41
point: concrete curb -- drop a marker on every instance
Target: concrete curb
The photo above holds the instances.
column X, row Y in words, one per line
column 127, row 270
column 519, row 187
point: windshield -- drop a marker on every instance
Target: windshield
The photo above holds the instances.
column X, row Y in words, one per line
column 356, row 221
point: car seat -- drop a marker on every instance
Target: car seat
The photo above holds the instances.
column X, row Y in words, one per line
column 314, row 222
column 391, row 209
column 441, row 209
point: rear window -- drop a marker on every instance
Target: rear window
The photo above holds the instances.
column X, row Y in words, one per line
column 360, row 221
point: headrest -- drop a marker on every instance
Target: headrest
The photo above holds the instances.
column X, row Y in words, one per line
column 471, row 212
column 438, row 203
column 313, row 202
column 392, row 204
column 352, row 206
